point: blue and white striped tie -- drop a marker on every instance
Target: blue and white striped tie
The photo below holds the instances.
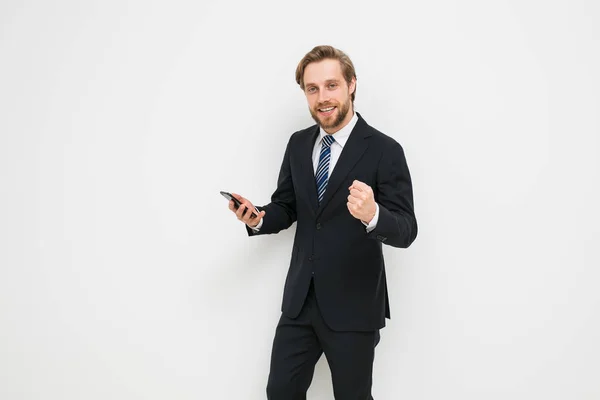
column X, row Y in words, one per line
column 322, row 175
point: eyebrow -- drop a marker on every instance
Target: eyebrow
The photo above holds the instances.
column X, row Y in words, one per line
column 326, row 81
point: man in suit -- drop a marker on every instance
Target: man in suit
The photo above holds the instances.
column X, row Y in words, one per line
column 349, row 189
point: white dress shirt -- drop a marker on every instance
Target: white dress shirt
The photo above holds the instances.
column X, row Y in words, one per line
column 341, row 137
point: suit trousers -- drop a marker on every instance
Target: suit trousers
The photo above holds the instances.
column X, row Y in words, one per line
column 298, row 345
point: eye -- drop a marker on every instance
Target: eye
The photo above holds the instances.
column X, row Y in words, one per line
column 332, row 85
column 311, row 89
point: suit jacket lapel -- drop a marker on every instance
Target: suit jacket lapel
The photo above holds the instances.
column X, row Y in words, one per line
column 351, row 154
column 308, row 171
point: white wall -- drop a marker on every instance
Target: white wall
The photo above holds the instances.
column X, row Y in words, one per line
column 123, row 274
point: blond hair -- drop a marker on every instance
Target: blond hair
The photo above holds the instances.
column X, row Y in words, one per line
column 320, row 53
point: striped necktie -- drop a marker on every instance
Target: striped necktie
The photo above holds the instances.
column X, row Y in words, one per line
column 322, row 175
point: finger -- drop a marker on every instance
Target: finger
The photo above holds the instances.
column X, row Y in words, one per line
column 231, row 205
column 258, row 217
column 351, row 209
column 247, row 217
column 359, row 197
column 354, row 184
column 360, row 185
column 353, row 199
column 243, row 200
column 240, row 211
column 239, row 197
column 254, row 221
column 249, row 205
column 356, row 193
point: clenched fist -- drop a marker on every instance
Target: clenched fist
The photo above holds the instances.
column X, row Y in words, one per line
column 361, row 202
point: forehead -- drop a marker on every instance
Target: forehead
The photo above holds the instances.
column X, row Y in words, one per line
column 321, row 71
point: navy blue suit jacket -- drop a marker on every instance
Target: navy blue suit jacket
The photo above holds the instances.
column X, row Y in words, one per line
column 331, row 246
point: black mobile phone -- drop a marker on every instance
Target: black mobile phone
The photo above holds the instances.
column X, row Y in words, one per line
column 236, row 202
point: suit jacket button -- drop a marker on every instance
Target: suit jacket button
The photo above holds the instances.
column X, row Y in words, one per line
column 319, row 226
column 310, row 258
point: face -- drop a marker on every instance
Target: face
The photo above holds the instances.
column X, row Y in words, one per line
column 328, row 94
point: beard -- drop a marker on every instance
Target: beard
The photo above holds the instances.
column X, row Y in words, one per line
column 330, row 123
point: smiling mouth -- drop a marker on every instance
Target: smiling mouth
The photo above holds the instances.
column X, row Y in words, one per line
column 326, row 110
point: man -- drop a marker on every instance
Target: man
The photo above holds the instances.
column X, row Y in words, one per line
column 349, row 188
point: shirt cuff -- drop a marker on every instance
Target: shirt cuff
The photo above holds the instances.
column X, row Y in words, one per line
column 257, row 227
column 371, row 225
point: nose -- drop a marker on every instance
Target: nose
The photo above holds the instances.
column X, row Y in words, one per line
column 324, row 96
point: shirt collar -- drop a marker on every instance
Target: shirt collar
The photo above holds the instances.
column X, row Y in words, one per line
column 341, row 136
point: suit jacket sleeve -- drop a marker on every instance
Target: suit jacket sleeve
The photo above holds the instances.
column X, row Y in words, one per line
column 397, row 225
column 280, row 213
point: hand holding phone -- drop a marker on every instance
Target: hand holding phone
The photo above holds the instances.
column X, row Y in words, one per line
column 249, row 218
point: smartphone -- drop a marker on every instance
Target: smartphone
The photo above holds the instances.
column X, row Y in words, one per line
column 236, row 203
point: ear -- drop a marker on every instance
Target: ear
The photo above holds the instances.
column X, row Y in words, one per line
column 352, row 86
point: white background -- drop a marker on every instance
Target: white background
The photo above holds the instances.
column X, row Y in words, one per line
column 123, row 275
